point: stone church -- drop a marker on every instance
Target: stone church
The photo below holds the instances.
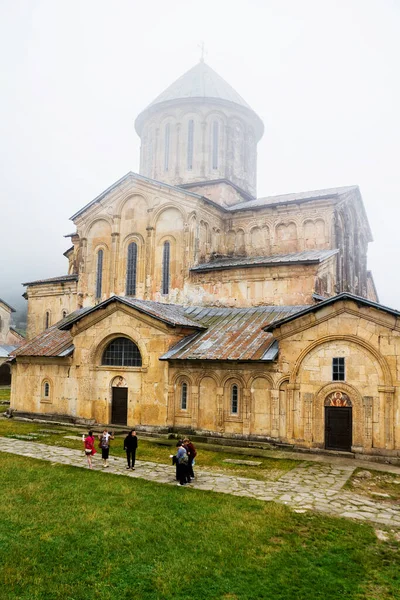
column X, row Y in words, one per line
column 192, row 304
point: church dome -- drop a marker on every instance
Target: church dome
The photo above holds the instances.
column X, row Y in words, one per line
column 202, row 83
column 200, row 130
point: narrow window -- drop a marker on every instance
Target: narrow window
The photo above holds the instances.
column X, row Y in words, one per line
column 190, row 145
column 46, row 390
column 166, row 147
column 64, row 314
column 131, row 270
column 338, row 370
column 165, row 268
column 99, row 275
column 234, row 400
column 47, row 320
column 215, row 145
column 184, row 396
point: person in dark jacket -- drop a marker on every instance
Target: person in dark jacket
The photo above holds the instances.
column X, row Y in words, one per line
column 182, row 464
column 130, row 445
column 191, row 452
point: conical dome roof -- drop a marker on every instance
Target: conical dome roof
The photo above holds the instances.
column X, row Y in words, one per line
column 201, row 81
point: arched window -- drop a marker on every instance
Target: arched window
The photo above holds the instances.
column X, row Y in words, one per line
column 46, row 391
column 122, row 352
column 131, row 270
column 64, row 313
column 166, row 146
column 165, row 268
column 47, row 319
column 234, row 400
column 99, row 274
column 184, row 390
column 190, row 144
column 215, row 135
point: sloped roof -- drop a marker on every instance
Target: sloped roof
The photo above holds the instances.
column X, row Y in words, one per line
column 232, row 333
column 339, row 297
column 51, row 342
column 324, row 194
column 6, row 304
column 171, row 314
column 60, row 279
column 307, row 256
column 201, row 81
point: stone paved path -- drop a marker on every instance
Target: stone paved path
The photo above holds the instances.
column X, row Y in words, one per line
column 307, row 487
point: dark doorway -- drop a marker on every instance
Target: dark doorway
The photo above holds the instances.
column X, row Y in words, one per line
column 338, row 428
column 5, row 375
column 119, row 406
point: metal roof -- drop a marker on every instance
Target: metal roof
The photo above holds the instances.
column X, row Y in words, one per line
column 6, row 350
column 171, row 314
column 232, row 334
column 201, row 81
column 294, row 197
column 307, row 256
column 339, row 297
column 51, row 342
column 61, row 279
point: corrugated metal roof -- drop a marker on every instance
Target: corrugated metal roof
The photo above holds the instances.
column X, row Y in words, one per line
column 60, row 279
column 51, row 342
column 172, row 314
column 232, row 333
column 6, row 350
column 339, row 297
column 307, row 256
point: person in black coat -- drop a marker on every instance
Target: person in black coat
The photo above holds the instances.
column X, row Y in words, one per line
column 130, row 445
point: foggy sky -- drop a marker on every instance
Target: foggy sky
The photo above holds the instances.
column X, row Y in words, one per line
column 323, row 75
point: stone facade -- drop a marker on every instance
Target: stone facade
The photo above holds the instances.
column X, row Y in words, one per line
column 239, row 308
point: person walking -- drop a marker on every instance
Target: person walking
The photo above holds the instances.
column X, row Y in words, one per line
column 88, row 443
column 130, row 445
column 105, row 438
column 192, row 453
column 182, row 461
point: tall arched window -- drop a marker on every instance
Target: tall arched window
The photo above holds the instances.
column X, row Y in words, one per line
column 47, row 319
column 215, row 135
column 184, row 390
column 234, row 400
column 131, row 268
column 99, row 274
column 122, row 352
column 190, row 144
column 165, row 268
column 46, row 391
column 166, row 146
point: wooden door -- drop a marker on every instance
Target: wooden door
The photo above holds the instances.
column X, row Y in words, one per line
column 119, row 406
column 338, row 428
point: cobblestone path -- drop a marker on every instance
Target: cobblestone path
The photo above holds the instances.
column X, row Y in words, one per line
column 307, row 487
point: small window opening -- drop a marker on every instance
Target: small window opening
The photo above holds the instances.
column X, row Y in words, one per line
column 184, row 396
column 338, row 369
column 234, row 400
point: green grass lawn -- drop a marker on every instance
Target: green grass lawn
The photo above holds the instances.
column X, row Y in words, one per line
column 72, row 533
column 270, row 468
column 5, row 394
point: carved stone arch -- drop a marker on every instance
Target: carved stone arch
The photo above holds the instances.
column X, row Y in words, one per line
column 99, row 345
column 254, row 376
column 183, row 375
column 203, row 374
column 318, row 415
column 164, row 207
column 236, row 376
column 132, row 237
column 386, row 374
column 86, row 230
column 128, row 196
column 215, row 112
column 280, row 381
column 50, row 396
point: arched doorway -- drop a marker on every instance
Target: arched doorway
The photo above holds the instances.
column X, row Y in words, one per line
column 338, row 422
